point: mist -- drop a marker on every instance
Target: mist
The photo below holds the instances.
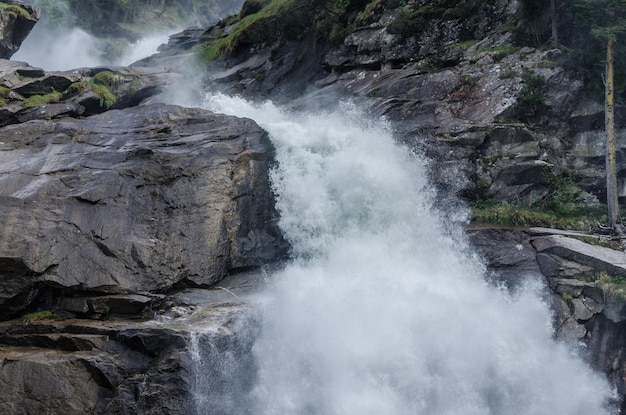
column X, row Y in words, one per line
column 60, row 50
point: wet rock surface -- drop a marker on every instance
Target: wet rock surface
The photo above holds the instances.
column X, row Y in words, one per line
column 122, row 367
column 129, row 201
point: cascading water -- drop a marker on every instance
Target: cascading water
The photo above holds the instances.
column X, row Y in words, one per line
column 381, row 311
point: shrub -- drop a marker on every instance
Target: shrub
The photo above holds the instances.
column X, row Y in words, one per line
column 611, row 284
column 251, row 7
column 407, row 23
column 531, row 98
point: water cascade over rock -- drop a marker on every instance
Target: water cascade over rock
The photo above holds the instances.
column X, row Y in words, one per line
column 136, row 235
column 384, row 309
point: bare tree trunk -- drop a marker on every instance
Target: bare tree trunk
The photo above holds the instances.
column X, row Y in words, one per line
column 611, row 173
column 553, row 18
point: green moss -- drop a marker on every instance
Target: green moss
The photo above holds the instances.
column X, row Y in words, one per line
column 209, row 51
column 4, row 94
column 75, row 89
column 265, row 24
column 102, row 84
column 15, row 10
column 107, row 78
column 275, row 20
column 107, row 98
column 38, row 316
column 42, row 99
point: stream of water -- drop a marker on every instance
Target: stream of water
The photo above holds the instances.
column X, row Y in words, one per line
column 383, row 309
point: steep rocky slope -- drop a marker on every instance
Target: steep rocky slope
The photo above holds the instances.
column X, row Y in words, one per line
column 504, row 116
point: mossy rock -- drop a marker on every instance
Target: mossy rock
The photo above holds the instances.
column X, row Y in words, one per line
column 38, row 316
column 50, row 98
column 15, row 10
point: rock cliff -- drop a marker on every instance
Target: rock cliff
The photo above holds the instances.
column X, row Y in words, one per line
column 17, row 18
column 500, row 115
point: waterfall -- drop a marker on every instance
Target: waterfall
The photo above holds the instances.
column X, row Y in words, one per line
column 383, row 309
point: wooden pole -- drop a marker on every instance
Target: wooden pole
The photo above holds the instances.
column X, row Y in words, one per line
column 611, row 171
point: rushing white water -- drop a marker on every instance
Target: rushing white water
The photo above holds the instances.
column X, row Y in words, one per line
column 381, row 311
column 143, row 48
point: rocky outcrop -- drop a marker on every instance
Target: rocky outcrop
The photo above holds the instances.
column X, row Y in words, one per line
column 140, row 200
column 28, row 93
column 108, row 215
column 157, row 366
column 584, row 280
column 16, row 21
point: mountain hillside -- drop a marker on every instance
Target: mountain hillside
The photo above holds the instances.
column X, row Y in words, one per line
column 505, row 97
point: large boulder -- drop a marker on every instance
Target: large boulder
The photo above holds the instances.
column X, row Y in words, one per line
column 16, row 21
column 132, row 201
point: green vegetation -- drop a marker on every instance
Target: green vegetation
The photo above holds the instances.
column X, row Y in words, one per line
column 560, row 208
column 107, row 99
column 275, row 19
column 264, row 23
column 466, row 44
column 503, row 213
column 372, row 12
column 15, row 10
column 498, row 52
column 612, row 284
column 408, row 23
column 605, row 243
column 508, row 74
column 101, row 84
column 531, row 99
column 563, row 191
column 4, row 94
column 38, row 316
column 50, row 98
